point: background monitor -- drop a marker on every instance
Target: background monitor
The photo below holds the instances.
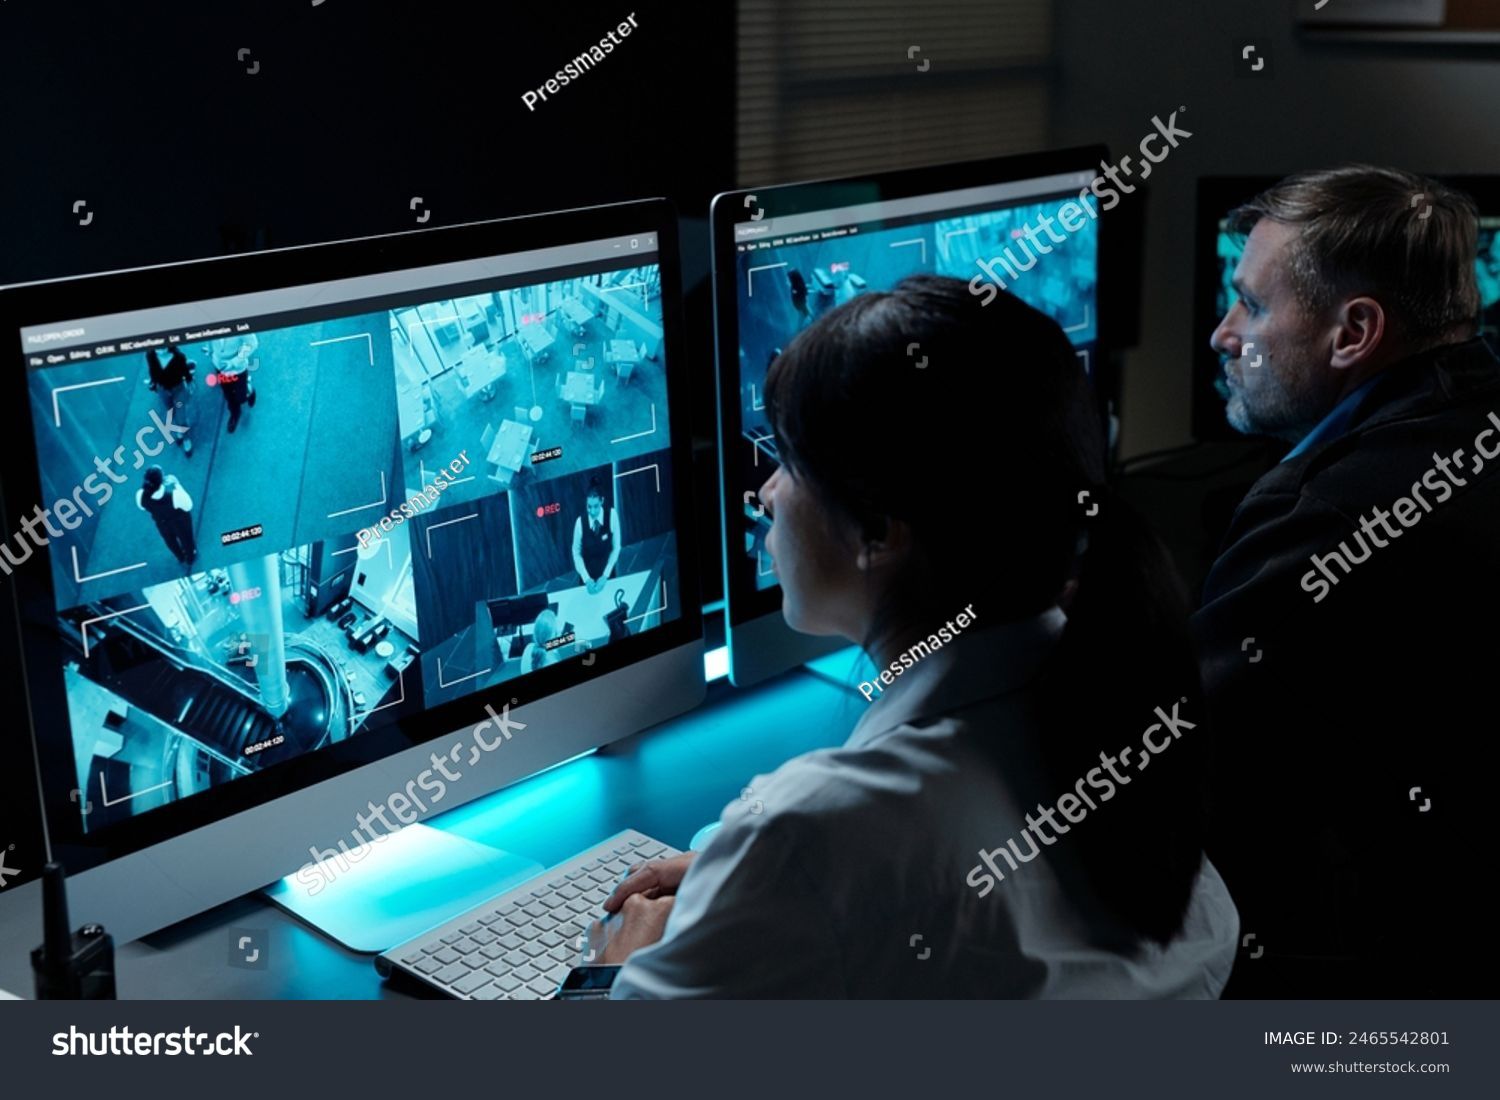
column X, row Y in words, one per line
column 785, row 255
column 1219, row 250
column 224, row 666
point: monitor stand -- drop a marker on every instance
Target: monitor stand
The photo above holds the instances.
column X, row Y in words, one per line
column 402, row 884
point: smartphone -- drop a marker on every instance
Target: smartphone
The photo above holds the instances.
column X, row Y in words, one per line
column 587, row 983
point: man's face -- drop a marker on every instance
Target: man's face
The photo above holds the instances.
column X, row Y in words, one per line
column 1292, row 387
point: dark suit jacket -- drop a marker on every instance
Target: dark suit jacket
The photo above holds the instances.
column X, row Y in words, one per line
column 1336, row 692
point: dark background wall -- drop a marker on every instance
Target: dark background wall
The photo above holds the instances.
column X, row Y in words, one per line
column 1316, row 103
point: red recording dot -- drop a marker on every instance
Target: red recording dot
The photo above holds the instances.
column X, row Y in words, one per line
column 234, row 597
column 212, row 379
column 540, row 512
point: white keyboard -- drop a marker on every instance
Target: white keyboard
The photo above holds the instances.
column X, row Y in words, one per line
column 519, row 945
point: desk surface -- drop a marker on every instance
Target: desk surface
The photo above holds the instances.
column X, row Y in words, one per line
column 667, row 782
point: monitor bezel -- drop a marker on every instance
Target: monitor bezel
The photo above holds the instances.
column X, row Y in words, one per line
column 31, row 591
column 743, row 603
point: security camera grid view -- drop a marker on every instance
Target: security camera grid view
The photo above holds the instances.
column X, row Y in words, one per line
column 268, row 538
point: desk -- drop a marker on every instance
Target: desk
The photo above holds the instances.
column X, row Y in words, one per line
column 580, row 389
column 622, row 351
column 512, row 442
column 667, row 782
column 479, row 370
column 536, row 341
column 586, row 610
column 577, row 315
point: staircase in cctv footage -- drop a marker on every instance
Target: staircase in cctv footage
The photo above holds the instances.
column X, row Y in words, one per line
column 168, row 721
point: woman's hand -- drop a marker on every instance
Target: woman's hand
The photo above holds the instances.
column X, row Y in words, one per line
column 639, row 923
column 655, row 878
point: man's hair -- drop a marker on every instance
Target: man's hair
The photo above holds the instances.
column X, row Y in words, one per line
column 1406, row 241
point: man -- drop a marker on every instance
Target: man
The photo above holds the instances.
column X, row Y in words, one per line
column 233, row 358
column 1348, row 633
column 162, row 497
column 174, row 382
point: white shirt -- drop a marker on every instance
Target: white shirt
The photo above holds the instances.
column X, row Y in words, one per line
column 824, row 874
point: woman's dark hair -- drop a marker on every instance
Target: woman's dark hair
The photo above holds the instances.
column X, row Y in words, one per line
column 976, row 426
column 595, row 490
column 152, row 478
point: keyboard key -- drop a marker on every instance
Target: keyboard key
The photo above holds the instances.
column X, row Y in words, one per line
column 412, row 959
column 568, row 892
column 555, row 884
column 434, row 947
column 534, row 949
column 582, row 905
column 491, row 918
column 508, row 982
column 574, row 876
column 517, row 918
column 475, row 961
column 429, row 965
column 621, row 849
column 651, row 850
column 544, row 924
column 510, row 941
column 470, row 929
column 534, row 910
column 542, row 987
column 466, row 946
column 528, row 932
column 492, row 951
column 563, row 953
column 446, row 955
column 553, row 938
column 483, row 936
column 490, row 992
column 524, row 973
column 454, row 938
column 470, row 982
column 450, row 974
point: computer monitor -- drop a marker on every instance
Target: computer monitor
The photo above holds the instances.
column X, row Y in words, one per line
column 228, row 650
column 1218, row 251
column 785, row 255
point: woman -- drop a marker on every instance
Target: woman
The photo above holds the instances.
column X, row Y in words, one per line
column 946, row 849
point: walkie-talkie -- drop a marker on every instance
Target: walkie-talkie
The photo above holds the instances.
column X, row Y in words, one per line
column 70, row 966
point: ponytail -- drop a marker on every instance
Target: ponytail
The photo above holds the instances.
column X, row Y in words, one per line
column 1125, row 652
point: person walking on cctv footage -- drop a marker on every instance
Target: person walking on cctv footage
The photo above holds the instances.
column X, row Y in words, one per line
column 232, row 362
column 596, row 547
column 174, row 381
column 167, row 502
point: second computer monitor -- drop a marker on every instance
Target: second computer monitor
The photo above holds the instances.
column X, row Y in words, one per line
column 783, row 256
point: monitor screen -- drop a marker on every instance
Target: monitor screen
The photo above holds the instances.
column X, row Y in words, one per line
column 282, row 523
column 1015, row 233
